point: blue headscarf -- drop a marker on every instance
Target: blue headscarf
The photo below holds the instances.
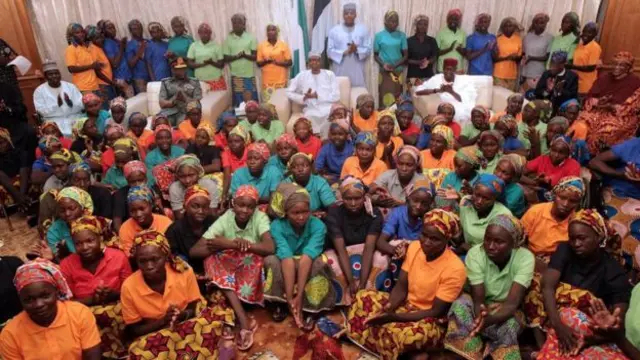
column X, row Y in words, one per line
column 565, row 105
column 223, row 116
column 559, row 56
column 140, row 193
column 494, row 183
column 81, row 166
column 366, row 137
column 406, row 107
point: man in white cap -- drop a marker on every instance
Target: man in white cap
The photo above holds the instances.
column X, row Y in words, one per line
column 349, row 45
column 316, row 89
column 56, row 100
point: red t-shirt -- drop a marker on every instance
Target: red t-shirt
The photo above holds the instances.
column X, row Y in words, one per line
column 542, row 165
column 413, row 129
column 112, row 270
column 230, row 160
column 455, row 127
column 311, row 147
column 108, row 158
column 221, row 140
column 66, row 144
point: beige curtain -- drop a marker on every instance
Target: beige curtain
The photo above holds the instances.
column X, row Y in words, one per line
column 51, row 17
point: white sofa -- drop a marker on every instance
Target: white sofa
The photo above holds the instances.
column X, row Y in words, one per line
column 213, row 103
column 289, row 111
column 493, row 97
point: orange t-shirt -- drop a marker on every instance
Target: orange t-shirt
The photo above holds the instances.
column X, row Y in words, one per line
column 580, row 129
column 81, row 56
column 507, row 69
column 351, row 167
column 140, row 302
column 130, row 229
column 99, row 56
column 442, row 278
column 543, row 230
column 142, row 141
column 187, row 129
column 273, row 74
column 498, row 115
column 370, row 124
column 445, row 161
column 397, row 144
column 73, row 330
column 583, row 56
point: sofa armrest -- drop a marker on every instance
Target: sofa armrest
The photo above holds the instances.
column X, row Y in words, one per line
column 137, row 103
column 353, row 97
column 280, row 100
column 426, row 104
column 215, row 103
column 499, row 101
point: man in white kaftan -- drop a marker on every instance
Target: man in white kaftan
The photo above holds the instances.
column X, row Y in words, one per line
column 348, row 47
column 316, row 89
column 58, row 101
column 458, row 90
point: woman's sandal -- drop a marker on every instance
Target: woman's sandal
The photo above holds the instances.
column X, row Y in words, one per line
column 244, row 340
column 279, row 313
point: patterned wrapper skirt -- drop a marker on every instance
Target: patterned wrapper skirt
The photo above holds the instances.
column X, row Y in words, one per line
column 319, row 293
column 384, row 270
column 111, row 327
column 390, row 85
column 239, row 85
column 196, row 338
column 217, row 85
column 7, row 200
column 238, row 271
column 390, row 340
column 268, row 90
column 499, row 341
column 624, row 215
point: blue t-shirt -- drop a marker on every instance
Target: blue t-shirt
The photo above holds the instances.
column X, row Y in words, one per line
column 57, row 232
column 331, row 159
column 483, row 64
column 139, row 71
column 41, row 165
column 266, row 183
column 398, row 227
column 389, row 46
column 512, row 143
column 289, row 243
column 277, row 165
column 629, row 153
column 111, row 49
column 154, row 56
column 513, row 198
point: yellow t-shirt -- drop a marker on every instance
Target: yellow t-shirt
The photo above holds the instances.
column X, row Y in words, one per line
column 543, row 230
column 81, row 56
column 507, row 69
column 99, row 56
column 370, row 124
column 586, row 55
column 351, row 167
column 273, row 74
column 445, row 161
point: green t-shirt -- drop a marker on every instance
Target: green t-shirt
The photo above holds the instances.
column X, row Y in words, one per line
column 201, row 52
column 632, row 325
column 497, row 283
column 289, row 243
column 235, row 44
column 542, row 129
column 474, row 227
column 226, row 226
column 469, row 131
column 445, row 38
column 566, row 43
column 269, row 136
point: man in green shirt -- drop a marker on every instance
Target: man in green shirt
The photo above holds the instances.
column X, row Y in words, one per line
column 240, row 52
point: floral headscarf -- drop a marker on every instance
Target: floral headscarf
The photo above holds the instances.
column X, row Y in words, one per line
column 41, row 270
column 607, row 235
column 510, row 123
column 125, row 146
column 367, row 138
column 512, row 225
column 50, row 124
column 261, row 148
column 157, row 239
column 162, row 127
column 211, row 132
column 46, row 142
column 447, row 223
column 118, row 102
column 134, row 166
column 188, row 160
column 287, row 139
column 89, row 98
column 140, row 193
column 446, row 133
column 113, row 128
column 494, row 183
column 351, row 183
column 286, row 196
column 98, row 226
column 195, row 191
column 78, row 195
column 67, row 156
column 249, row 191
column 570, row 183
column 469, row 155
column 81, row 166
column 625, row 57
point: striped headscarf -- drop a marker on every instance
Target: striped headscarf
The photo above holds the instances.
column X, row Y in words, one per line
column 78, row 195
column 447, row 223
column 518, row 162
column 351, row 183
column 492, row 182
column 98, row 226
column 512, row 225
column 286, row 196
column 249, row 191
column 195, row 191
column 367, row 138
column 209, row 130
column 157, row 239
column 446, row 133
column 188, row 160
column 41, row 270
column 261, row 148
column 134, row 166
column 469, row 155
column 142, row 193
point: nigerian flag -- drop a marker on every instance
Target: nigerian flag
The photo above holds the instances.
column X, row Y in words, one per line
column 299, row 37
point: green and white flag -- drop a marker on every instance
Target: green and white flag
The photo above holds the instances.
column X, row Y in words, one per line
column 299, row 37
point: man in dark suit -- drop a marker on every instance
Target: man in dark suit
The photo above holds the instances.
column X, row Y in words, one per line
column 557, row 84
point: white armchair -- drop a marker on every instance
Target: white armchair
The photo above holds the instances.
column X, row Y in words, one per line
column 493, row 97
column 288, row 111
column 213, row 103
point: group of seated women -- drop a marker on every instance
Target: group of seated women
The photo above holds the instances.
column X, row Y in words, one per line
column 158, row 243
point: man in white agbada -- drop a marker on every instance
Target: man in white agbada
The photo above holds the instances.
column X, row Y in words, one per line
column 348, row 47
column 459, row 90
column 58, row 101
column 316, row 89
